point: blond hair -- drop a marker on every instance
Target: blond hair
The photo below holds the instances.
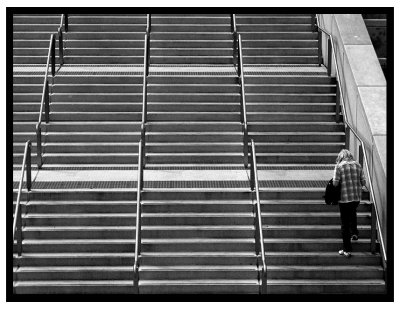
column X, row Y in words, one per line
column 344, row 155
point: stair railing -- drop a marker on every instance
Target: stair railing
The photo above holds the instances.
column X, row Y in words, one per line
column 362, row 155
column 45, row 102
column 141, row 158
column 17, row 223
column 243, row 111
column 138, row 237
column 235, row 38
column 258, row 219
column 61, row 40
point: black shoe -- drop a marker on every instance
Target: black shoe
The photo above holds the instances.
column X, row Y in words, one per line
column 354, row 237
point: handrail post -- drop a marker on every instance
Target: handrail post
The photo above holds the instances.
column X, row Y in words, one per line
column 246, row 146
column 263, row 281
column 373, row 229
column 66, row 22
column 240, row 56
column 28, row 166
column 19, row 231
column 148, row 24
column 258, row 245
column 47, row 102
column 60, row 46
column 148, row 55
column 319, row 47
column 138, row 217
column 39, row 146
column 361, row 156
column 235, row 38
column 314, row 23
column 142, row 154
column 347, row 137
column 252, row 175
column 337, row 111
column 329, row 56
column 53, row 56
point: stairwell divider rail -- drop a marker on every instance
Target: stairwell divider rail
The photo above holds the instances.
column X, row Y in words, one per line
column 235, row 36
column 45, row 101
column 237, row 46
column 243, row 111
column 141, row 157
column 17, row 223
column 258, row 218
column 340, row 105
column 61, row 40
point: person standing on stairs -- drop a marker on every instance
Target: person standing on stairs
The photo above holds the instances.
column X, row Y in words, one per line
column 350, row 175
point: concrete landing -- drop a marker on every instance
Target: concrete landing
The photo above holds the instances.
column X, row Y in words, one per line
column 175, row 69
column 233, row 176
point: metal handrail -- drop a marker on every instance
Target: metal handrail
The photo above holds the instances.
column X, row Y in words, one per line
column 258, row 219
column 235, row 37
column 141, row 157
column 243, row 110
column 17, row 223
column 138, row 236
column 348, row 126
column 61, row 40
column 45, row 99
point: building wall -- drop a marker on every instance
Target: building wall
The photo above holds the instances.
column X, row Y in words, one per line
column 364, row 92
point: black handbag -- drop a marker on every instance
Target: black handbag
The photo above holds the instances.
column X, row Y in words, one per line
column 332, row 193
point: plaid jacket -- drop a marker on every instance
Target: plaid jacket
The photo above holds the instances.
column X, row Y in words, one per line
column 352, row 179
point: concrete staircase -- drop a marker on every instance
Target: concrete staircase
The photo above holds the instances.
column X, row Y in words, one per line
column 198, row 241
column 31, row 37
column 77, row 241
column 191, row 39
column 27, row 94
column 302, row 237
column 94, row 119
column 105, row 39
column 278, row 39
column 198, row 221
column 291, row 117
column 193, row 119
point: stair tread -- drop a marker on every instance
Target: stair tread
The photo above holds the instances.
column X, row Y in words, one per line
column 197, row 240
column 326, row 281
column 76, row 241
column 310, row 226
column 83, row 154
column 200, row 282
column 52, row 283
column 198, row 268
column 84, row 215
column 188, row 254
column 79, row 228
column 307, row 214
column 196, row 214
column 144, row 227
column 87, row 268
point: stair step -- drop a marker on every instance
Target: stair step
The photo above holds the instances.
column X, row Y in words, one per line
column 199, row 286
column 73, row 287
column 333, row 286
column 78, row 245
column 183, row 219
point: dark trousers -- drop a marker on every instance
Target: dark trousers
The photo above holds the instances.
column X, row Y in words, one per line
column 348, row 216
